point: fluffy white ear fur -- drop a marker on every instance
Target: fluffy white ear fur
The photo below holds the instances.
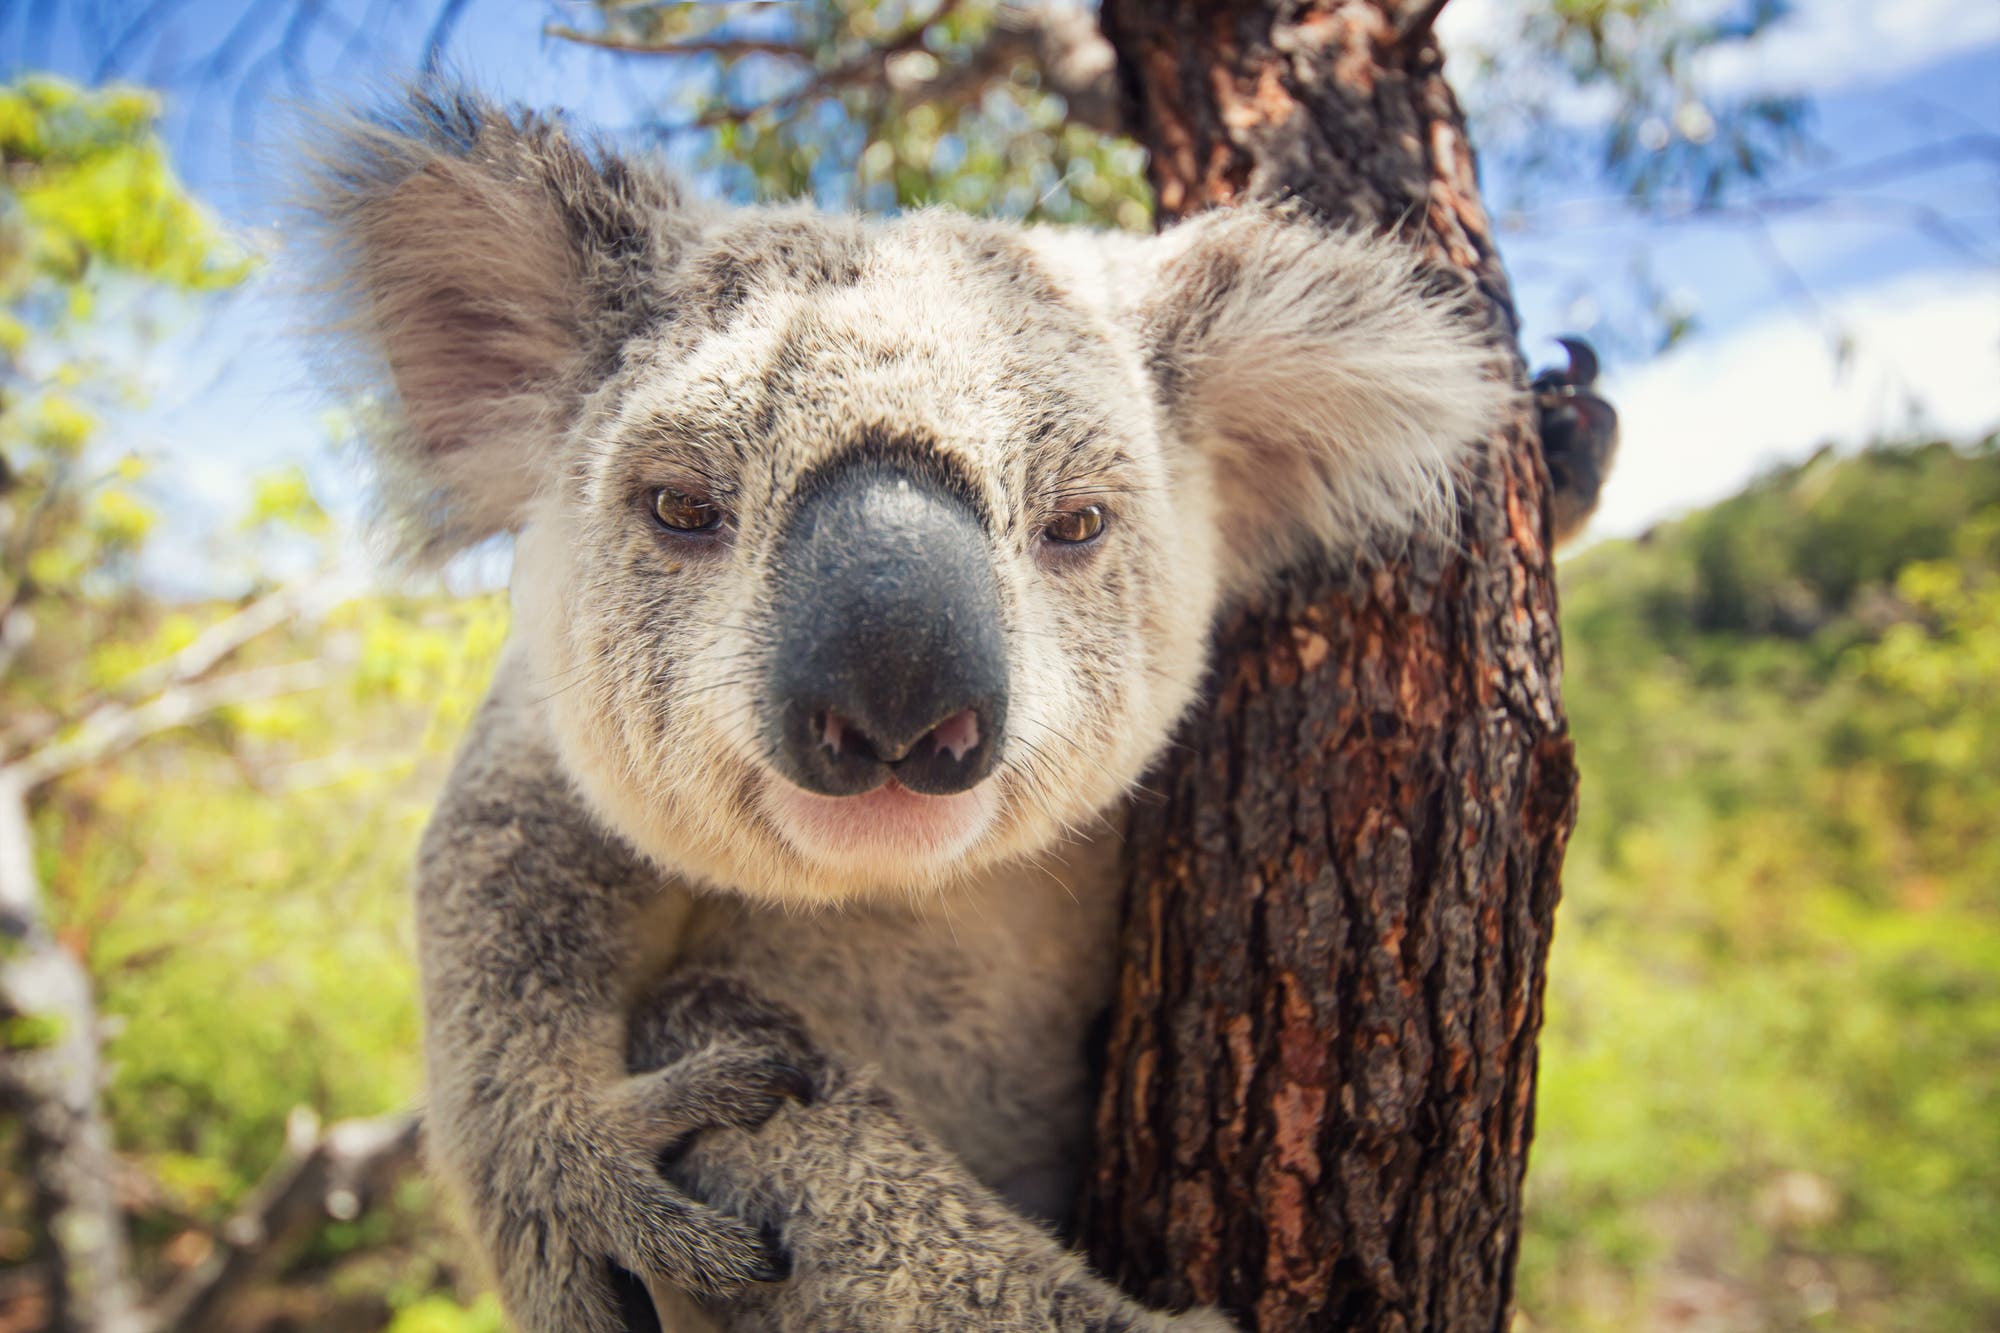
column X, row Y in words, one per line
column 476, row 260
column 1332, row 391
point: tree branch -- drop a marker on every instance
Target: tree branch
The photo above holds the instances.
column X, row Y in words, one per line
column 17, row 631
column 439, row 36
column 728, row 48
column 321, row 1175
column 115, row 728
column 869, row 67
column 208, row 649
column 1063, row 44
column 201, row 655
column 50, row 1079
column 1416, row 23
column 52, row 1072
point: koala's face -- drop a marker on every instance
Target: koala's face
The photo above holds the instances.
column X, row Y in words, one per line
column 872, row 565
column 854, row 557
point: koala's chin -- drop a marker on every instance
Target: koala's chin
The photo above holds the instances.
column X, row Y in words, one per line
column 912, row 837
column 746, row 830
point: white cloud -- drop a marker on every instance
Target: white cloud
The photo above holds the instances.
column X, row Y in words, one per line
column 1820, row 47
column 1823, row 45
column 1469, row 25
column 1704, row 419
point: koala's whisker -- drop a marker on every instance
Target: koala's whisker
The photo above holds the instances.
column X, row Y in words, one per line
column 1036, row 788
column 1083, row 754
column 751, row 652
column 730, row 683
column 1045, row 861
column 921, row 903
column 561, row 690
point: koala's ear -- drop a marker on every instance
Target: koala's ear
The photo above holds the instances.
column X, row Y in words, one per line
column 1332, row 389
column 484, row 264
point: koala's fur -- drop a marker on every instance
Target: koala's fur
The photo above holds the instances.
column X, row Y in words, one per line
column 864, row 1056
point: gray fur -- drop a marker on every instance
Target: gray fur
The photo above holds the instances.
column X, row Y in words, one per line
column 867, row 1060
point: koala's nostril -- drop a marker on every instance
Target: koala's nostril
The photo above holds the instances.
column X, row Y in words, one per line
column 957, row 735
column 846, row 753
column 956, row 753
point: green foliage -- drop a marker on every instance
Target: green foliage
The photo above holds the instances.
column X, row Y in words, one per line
column 86, row 199
column 874, row 104
column 436, row 1314
column 1771, row 1075
column 895, row 104
column 234, row 885
column 88, row 183
column 1569, row 97
column 1669, row 139
column 239, row 893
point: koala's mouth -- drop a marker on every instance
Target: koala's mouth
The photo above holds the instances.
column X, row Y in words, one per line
column 889, row 827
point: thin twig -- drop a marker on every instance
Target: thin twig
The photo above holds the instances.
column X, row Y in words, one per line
column 440, row 35
column 330, row 1174
column 204, row 653
column 728, row 48
column 869, row 67
column 112, row 730
column 1794, row 284
column 1415, row 24
column 214, row 645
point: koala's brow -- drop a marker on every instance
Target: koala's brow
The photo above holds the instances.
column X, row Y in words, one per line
column 896, row 450
column 713, row 455
column 1081, row 465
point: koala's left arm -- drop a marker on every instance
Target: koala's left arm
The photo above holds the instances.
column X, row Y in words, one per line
column 884, row 1228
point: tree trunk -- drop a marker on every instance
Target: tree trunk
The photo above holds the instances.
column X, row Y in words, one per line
column 1320, row 1076
column 49, row 1077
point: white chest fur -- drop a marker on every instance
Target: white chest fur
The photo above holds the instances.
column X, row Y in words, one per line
column 974, row 1006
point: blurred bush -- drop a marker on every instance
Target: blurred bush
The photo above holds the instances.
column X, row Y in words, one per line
column 1771, row 1075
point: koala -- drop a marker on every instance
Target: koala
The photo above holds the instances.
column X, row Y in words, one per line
column 861, row 567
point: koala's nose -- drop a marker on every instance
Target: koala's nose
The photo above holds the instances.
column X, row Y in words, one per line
column 888, row 656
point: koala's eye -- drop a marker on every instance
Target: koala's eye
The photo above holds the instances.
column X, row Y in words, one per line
column 681, row 512
column 1077, row 526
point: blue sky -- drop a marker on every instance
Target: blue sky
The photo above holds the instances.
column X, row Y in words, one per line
column 232, row 394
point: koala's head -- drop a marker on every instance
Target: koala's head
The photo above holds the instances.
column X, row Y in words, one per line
column 854, row 555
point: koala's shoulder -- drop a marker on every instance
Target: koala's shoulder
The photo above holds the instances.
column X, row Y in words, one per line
column 510, row 816
column 507, row 770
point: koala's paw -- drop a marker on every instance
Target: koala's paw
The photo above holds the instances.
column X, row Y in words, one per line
column 558, row 1267
column 725, row 1083
column 888, row 1230
column 708, row 1053
column 578, row 1190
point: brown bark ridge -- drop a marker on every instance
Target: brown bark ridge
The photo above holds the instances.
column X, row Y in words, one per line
column 1320, row 1074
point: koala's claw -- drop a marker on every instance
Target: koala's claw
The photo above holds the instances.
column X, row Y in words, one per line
column 725, row 1085
column 685, row 1242
column 714, row 1056
column 559, row 1269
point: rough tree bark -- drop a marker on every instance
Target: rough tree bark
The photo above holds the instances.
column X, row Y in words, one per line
column 1321, row 1069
